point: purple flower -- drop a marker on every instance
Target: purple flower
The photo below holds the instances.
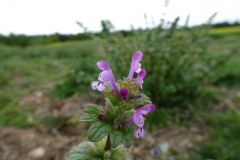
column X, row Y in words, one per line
column 138, row 118
column 105, row 76
column 140, row 77
column 124, row 93
column 135, row 65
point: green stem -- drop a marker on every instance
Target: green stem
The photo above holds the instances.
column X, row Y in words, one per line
column 108, row 145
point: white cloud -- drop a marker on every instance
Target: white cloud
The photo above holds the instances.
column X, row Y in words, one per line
column 50, row 16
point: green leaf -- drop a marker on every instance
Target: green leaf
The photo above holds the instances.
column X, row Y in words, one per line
column 124, row 136
column 128, row 136
column 98, row 130
column 120, row 153
column 116, row 138
column 90, row 113
column 82, row 152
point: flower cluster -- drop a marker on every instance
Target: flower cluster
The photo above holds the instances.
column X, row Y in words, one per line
column 125, row 91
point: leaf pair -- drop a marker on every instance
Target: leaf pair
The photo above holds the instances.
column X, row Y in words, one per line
column 99, row 130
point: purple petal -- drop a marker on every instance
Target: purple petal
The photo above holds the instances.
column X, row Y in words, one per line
column 101, row 87
column 113, row 82
column 137, row 56
column 98, row 85
column 145, row 109
column 103, row 65
column 137, row 67
column 104, row 76
column 94, row 85
column 138, row 119
column 150, row 107
column 139, row 132
column 140, row 77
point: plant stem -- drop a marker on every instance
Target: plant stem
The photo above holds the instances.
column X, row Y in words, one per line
column 108, row 145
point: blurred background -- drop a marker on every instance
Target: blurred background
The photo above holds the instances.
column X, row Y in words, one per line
column 48, row 51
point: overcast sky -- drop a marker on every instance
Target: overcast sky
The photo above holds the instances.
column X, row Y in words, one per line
column 51, row 16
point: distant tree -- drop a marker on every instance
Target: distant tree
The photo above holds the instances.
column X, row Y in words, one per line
column 107, row 26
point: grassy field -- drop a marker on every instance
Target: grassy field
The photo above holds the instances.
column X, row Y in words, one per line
column 225, row 30
column 29, row 106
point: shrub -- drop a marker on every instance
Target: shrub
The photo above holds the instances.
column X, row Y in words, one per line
column 78, row 79
column 177, row 61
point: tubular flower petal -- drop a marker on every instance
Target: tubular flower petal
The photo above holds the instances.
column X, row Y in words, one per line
column 104, row 76
column 138, row 119
column 137, row 56
column 140, row 77
column 146, row 109
column 135, row 65
column 103, row 65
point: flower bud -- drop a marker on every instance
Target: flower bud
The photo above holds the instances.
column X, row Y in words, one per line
column 101, row 116
column 124, row 93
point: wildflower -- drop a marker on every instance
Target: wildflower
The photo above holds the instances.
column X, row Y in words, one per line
column 135, row 65
column 138, row 118
column 124, row 93
column 105, row 76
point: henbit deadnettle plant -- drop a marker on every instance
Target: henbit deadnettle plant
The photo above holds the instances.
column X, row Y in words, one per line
column 120, row 119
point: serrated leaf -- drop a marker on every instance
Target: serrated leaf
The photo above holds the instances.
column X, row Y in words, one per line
column 128, row 136
column 98, row 130
column 120, row 153
column 124, row 136
column 90, row 113
column 81, row 152
column 116, row 138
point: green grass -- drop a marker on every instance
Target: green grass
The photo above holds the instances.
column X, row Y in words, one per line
column 23, row 70
column 12, row 115
column 225, row 30
column 223, row 143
